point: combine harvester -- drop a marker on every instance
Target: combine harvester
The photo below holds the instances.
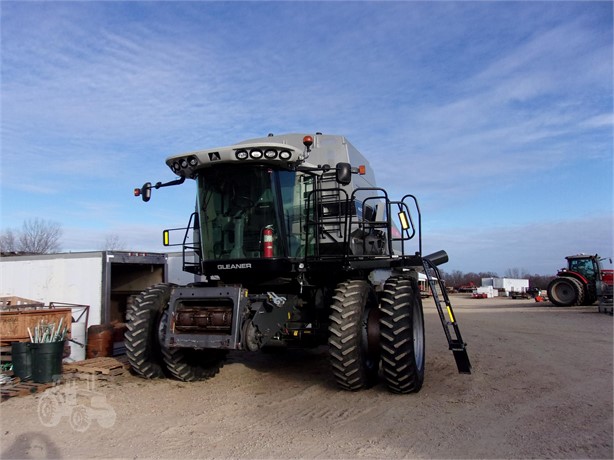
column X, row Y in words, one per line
column 293, row 244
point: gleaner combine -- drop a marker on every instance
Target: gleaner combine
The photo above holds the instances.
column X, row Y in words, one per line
column 294, row 245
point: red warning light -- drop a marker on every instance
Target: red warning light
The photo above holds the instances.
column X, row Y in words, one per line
column 137, row 192
column 362, row 170
column 308, row 141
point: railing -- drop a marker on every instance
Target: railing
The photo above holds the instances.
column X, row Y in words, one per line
column 335, row 219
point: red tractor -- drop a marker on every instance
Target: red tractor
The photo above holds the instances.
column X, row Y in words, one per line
column 583, row 282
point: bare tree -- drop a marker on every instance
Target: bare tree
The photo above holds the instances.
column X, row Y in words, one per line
column 516, row 273
column 8, row 242
column 454, row 278
column 39, row 236
column 457, row 278
column 112, row 242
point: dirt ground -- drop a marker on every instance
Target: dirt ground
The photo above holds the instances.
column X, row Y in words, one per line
column 541, row 388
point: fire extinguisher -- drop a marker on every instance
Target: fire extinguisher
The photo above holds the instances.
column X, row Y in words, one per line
column 267, row 242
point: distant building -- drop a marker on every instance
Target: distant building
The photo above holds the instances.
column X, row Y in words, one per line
column 506, row 285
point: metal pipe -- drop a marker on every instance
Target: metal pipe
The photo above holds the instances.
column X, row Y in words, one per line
column 437, row 258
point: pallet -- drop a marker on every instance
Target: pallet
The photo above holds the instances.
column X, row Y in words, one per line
column 22, row 389
column 103, row 367
column 89, row 369
column 8, row 302
column 6, row 354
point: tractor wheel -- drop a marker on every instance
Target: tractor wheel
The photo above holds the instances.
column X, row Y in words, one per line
column 141, row 338
column 354, row 331
column 402, row 335
column 188, row 364
column 565, row 292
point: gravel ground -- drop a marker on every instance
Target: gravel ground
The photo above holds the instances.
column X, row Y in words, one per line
column 542, row 387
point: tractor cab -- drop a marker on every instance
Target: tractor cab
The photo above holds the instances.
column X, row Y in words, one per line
column 585, row 265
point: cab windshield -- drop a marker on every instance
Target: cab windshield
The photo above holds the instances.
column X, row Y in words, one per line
column 237, row 204
column 585, row 267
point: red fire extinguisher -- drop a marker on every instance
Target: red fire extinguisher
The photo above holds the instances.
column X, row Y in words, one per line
column 267, row 242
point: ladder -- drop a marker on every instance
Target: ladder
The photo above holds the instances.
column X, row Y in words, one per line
column 450, row 326
column 327, row 211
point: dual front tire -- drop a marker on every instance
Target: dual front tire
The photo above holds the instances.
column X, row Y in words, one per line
column 364, row 335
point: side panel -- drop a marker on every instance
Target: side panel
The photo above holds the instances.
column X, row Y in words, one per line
column 175, row 272
column 607, row 276
column 516, row 285
column 56, row 278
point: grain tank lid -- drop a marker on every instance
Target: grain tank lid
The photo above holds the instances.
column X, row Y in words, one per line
column 286, row 151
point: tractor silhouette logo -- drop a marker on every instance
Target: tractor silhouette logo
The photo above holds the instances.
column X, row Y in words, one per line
column 82, row 406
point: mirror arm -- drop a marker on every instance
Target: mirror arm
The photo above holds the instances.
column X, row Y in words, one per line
column 179, row 181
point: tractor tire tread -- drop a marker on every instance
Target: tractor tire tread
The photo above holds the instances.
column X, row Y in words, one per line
column 399, row 365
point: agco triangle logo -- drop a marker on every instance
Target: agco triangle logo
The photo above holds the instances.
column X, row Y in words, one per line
column 214, row 156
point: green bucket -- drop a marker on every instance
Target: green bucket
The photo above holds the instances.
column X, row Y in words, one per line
column 21, row 356
column 47, row 361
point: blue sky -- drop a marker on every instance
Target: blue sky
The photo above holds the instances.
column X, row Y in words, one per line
column 498, row 116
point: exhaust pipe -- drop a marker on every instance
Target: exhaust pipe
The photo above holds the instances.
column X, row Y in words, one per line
column 437, row 258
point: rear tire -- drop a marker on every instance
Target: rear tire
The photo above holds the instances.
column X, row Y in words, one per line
column 402, row 335
column 188, row 364
column 354, row 320
column 141, row 339
column 565, row 292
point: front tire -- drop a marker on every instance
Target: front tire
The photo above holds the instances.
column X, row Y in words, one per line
column 565, row 292
column 402, row 335
column 142, row 338
column 354, row 356
column 188, row 364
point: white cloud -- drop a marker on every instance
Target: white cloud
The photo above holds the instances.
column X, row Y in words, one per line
column 599, row 121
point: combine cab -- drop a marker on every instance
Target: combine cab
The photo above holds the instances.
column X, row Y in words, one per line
column 583, row 282
column 293, row 244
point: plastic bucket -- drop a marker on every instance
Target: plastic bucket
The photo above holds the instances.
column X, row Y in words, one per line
column 21, row 357
column 47, row 361
column 77, row 350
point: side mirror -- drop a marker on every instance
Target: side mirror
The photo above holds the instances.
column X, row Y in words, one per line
column 146, row 192
column 344, row 173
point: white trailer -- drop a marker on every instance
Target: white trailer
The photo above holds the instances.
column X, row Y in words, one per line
column 104, row 280
column 507, row 285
